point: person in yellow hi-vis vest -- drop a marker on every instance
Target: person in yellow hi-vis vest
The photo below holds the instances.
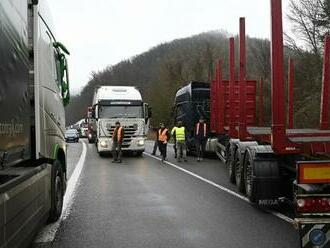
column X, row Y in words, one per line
column 163, row 136
column 180, row 137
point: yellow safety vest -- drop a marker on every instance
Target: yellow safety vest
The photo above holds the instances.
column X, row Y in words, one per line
column 180, row 133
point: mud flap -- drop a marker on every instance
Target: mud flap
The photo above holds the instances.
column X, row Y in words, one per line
column 314, row 233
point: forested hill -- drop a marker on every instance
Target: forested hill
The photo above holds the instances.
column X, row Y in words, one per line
column 162, row 70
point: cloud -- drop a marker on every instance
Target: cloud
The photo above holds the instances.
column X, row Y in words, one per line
column 103, row 32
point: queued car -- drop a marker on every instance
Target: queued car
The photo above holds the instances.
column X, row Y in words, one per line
column 83, row 130
column 71, row 135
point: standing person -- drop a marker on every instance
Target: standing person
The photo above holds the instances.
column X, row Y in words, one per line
column 180, row 136
column 163, row 137
column 156, row 144
column 174, row 145
column 117, row 141
column 200, row 138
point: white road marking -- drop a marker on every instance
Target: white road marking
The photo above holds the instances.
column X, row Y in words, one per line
column 47, row 234
column 277, row 214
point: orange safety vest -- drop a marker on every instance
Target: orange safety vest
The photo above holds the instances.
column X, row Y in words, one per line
column 197, row 129
column 162, row 136
column 119, row 132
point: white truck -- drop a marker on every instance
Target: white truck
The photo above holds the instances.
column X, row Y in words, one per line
column 34, row 90
column 123, row 104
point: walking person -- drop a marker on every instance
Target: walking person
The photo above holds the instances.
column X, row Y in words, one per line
column 174, row 145
column 156, row 144
column 180, row 136
column 163, row 137
column 200, row 138
column 117, row 141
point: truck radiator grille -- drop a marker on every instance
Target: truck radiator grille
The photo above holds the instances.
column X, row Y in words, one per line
column 130, row 132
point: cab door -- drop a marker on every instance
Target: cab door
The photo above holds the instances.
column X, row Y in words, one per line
column 50, row 92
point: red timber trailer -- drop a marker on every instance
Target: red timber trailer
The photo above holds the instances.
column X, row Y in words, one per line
column 276, row 162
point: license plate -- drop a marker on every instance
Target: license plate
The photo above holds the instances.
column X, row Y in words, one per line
column 313, row 172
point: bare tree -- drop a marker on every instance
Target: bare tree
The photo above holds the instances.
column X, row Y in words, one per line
column 311, row 22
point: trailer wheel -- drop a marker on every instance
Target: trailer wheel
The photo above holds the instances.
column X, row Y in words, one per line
column 249, row 185
column 262, row 176
column 231, row 164
column 239, row 172
column 57, row 191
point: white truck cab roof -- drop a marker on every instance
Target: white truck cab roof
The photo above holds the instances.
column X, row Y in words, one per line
column 117, row 93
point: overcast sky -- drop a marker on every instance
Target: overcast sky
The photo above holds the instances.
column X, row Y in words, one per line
column 99, row 33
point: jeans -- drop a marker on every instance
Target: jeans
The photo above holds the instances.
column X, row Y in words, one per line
column 181, row 146
column 156, row 145
column 163, row 149
column 200, row 147
column 116, row 151
column 175, row 150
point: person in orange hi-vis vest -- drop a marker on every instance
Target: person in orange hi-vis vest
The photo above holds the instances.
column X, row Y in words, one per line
column 117, row 141
column 200, row 138
column 163, row 136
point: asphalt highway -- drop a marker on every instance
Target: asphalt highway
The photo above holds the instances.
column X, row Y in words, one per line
column 145, row 203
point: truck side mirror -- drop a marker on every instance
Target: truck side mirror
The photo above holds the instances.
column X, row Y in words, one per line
column 94, row 112
column 64, row 80
column 64, row 71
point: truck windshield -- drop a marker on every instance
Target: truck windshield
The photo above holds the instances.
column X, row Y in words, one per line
column 120, row 111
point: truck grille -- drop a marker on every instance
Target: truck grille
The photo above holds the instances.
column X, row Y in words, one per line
column 129, row 133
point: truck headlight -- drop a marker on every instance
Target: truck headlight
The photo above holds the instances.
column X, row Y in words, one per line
column 103, row 144
column 141, row 142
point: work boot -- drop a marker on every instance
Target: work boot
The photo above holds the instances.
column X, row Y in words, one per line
column 198, row 159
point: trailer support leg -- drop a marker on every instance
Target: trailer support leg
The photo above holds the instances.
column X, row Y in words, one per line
column 324, row 117
column 261, row 102
column 290, row 93
column 232, row 117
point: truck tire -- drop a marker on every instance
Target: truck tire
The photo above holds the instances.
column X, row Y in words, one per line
column 249, row 182
column 262, row 177
column 57, row 191
column 230, row 163
column 239, row 171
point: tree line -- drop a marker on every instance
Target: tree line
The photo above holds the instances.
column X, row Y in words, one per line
column 162, row 70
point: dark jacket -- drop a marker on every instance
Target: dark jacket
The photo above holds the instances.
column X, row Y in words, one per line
column 202, row 133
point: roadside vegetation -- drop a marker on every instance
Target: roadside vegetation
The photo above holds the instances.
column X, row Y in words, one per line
column 162, row 70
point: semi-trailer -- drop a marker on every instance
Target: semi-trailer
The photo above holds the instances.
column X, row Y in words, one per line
column 276, row 163
column 34, row 90
column 272, row 163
